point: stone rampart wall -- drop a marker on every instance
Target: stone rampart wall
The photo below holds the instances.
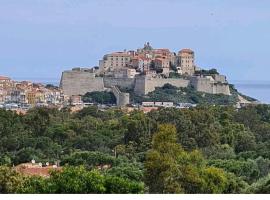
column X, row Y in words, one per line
column 119, row 82
column 79, row 83
column 122, row 99
column 144, row 85
column 208, row 86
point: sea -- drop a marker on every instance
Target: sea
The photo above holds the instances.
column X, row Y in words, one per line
column 259, row 90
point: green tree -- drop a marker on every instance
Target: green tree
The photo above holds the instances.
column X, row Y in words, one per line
column 10, row 180
column 99, row 97
column 170, row 169
column 262, row 186
column 161, row 162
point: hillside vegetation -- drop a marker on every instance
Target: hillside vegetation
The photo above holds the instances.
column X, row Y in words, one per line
column 186, row 95
column 207, row 149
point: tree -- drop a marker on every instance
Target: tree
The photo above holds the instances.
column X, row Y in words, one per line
column 99, row 97
column 127, row 170
column 89, row 159
column 262, row 186
column 78, row 180
column 117, row 185
column 161, row 162
column 170, row 169
column 9, row 180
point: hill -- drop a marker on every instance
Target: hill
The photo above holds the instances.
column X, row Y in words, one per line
column 189, row 95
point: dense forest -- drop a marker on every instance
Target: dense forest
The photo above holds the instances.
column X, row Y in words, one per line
column 207, row 149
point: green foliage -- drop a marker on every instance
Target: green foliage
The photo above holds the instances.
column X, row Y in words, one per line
column 161, row 162
column 99, row 97
column 9, row 180
column 185, row 95
column 207, row 72
column 131, row 171
column 169, row 169
column 117, row 185
column 88, row 159
column 207, row 149
column 247, row 169
column 78, row 180
column 262, row 186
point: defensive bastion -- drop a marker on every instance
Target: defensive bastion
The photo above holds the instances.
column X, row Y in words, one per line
column 81, row 81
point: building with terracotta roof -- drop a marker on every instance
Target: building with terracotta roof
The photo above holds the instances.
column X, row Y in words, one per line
column 4, row 78
column 33, row 169
column 5, row 82
column 114, row 61
column 162, row 65
column 185, row 62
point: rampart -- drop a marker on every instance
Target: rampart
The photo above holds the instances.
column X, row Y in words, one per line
column 80, row 82
column 203, row 84
column 144, row 84
column 126, row 83
column 122, row 99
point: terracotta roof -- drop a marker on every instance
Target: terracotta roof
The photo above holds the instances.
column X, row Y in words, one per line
column 29, row 170
column 119, row 54
column 4, row 78
column 186, row 51
column 162, row 50
column 148, row 109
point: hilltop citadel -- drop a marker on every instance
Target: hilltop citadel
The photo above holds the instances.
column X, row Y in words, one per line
column 146, row 77
column 142, row 71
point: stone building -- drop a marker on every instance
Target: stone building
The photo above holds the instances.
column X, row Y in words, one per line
column 114, row 61
column 185, row 62
column 124, row 73
column 162, row 64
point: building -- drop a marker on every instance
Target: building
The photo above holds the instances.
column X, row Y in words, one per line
column 141, row 64
column 142, row 71
column 18, row 96
column 76, row 100
column 124, row 73
column 36, row 169
column 185, row 62
column 162, row 65
column 31, row 97
column 5, row 82
column 114, row 61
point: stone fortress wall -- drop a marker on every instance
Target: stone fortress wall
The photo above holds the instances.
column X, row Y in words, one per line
column 216, row 85
column 122, row 98
column 120, row 82
column 79, row 82
column 144, row 84
column 76, row 82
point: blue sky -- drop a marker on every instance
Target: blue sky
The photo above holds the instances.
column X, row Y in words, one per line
column 41, row 38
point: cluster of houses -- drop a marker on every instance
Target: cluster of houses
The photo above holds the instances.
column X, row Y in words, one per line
column 22, row 95
column 147, row 61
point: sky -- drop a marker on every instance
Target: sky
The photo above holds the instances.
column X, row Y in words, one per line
column 41, row 38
